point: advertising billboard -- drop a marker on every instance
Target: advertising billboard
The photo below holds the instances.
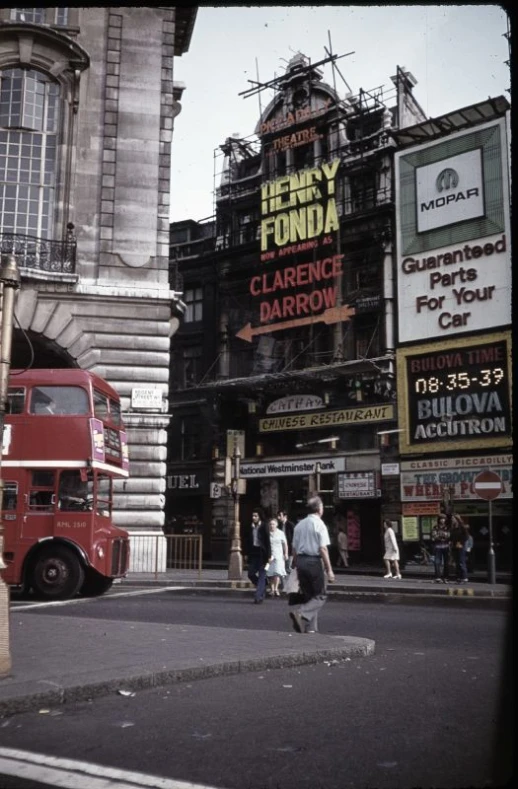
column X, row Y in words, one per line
column 426, row 480
column 455, row 394
column 453, row 234
column 299, row 273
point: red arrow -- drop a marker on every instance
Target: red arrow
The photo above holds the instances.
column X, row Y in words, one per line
column 331, row 315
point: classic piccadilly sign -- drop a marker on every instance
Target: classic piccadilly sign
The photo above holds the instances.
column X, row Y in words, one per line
column 298, row 217
column 426, row 480
column 453, row 234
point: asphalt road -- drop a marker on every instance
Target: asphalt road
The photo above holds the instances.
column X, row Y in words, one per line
column 422, row 711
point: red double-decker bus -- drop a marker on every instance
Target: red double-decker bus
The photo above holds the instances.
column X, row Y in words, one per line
column 63, row 445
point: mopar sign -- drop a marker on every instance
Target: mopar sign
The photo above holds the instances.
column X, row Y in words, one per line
column 449, row 194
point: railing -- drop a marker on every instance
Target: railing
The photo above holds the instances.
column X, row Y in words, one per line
column 42, row 254
column 158, row 553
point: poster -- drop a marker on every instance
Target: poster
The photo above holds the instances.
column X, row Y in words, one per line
column 353, row 531
column 410, row 529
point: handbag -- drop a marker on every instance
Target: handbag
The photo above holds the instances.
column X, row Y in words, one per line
column 291, row 582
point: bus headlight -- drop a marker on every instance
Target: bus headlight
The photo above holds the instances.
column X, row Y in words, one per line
column 100, row 551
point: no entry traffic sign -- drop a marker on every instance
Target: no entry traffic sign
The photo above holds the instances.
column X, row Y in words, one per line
column 487, row 485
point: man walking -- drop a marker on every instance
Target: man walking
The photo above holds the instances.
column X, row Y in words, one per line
column 259, row 555
column 311, row 557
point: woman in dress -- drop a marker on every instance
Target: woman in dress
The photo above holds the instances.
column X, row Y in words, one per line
column 277, row 563
column 391, row 551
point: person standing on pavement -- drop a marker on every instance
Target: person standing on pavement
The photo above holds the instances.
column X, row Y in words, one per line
column 441, row 549
column 310, row 558
column 287, row 527
column 259, row 555
column 277, row 565
column 459, row 539
column 391, row 555
column 469, row 549
column 343, row 546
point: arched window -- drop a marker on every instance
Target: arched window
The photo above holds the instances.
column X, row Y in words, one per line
column 29, row 122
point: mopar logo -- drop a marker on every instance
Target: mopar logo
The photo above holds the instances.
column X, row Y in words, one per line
column 447, row 179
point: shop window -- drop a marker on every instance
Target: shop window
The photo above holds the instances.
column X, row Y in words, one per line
column 193, row 298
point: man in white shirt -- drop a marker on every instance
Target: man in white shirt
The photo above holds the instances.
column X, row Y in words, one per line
column 310, row 557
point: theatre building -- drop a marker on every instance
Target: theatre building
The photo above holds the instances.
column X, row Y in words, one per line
column 453, row 263
column 287, row 347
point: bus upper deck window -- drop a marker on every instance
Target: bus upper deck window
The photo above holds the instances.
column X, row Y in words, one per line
column 15, row 400
column 115, row 412
column 72, row 400
column 100, row 405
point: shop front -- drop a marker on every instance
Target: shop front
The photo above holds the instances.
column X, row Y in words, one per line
column 187, row 501
column 351, row 498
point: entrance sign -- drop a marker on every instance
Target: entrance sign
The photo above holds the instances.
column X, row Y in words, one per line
column 487, row 485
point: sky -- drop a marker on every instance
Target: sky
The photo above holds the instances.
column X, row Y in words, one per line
column 457, row 53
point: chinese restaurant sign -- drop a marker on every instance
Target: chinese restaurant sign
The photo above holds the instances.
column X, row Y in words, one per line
column 345, row 416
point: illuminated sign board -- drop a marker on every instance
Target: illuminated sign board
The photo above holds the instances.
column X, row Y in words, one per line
column 300, row 115
column 453, row 234
column 427, row 480
column 449, row 191
column 298, row 207
column 298, row 217
column 292, row 468
column 357, row 485
column 345, row 416
column 455, row 394
column 289, row 403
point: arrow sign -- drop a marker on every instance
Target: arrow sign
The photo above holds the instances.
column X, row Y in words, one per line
column 331, row 315
column 487, row 485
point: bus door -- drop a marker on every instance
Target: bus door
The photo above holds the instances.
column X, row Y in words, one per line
column 11, row 519
column 39, row 504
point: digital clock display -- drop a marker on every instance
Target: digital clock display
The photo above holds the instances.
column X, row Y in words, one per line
column 490, row 377
column 458, row 392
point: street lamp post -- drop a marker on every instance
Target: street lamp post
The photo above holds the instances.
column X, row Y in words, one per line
column 9, row 283
column 235, row 564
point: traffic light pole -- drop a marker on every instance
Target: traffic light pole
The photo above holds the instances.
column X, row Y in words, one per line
column 491, row 568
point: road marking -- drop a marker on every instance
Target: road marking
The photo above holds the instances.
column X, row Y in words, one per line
column 76, row 600
column 72, row 774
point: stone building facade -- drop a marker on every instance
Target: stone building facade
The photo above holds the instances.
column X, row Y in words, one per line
column 88, row 102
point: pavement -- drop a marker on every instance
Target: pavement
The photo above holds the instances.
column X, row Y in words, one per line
column 67, row 659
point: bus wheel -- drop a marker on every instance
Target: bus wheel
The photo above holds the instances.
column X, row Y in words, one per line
column 95, row 584
column 57, row 574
